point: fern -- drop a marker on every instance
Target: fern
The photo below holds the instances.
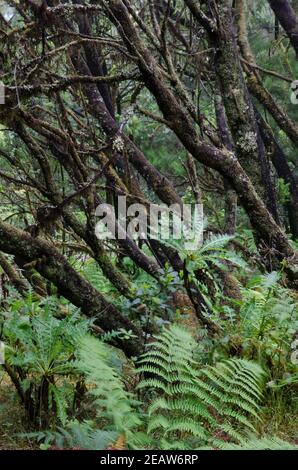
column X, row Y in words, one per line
column 214, row 251
column 216, row 243
column 76, row 435
column 197, row 403
column 265, row 443
column 115, row 405
column 92, row 272
column 268, row 317
column 191, row 407
column 40, row 357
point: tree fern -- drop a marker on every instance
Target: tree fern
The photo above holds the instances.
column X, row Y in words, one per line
column 40, row 358
column 198, row 403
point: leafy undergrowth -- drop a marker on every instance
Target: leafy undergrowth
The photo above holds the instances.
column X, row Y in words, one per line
column 14, row 429
column 180, row 403
column 187, row 390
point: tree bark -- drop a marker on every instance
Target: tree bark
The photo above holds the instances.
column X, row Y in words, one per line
column 288, row 19
column 280, row 162
column 15, row 278
column 238, row 107
column 270, row 236
column 230, row 195
column 54, row 267
column 254, row 81
column 99, row 253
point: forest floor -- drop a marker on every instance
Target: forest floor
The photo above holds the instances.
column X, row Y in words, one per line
column 280, row 420
column 12, row 419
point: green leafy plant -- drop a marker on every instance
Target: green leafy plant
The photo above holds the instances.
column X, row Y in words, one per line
column 117, row 415
column 256, row 443
column 190, row 405
column 198, row 403
column 40, row 358
column 114, row 405
column 266, row 324
column 75, row 435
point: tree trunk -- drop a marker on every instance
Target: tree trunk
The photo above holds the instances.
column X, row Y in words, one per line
column 54, row 267
column 230, row 195
column 283, row 170
column 287, row 18
column 15, row 278
column 238, row 107
column 270, row 236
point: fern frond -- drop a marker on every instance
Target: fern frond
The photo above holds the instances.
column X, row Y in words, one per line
column 265, row 443
column 197, row 402
column 113, row 402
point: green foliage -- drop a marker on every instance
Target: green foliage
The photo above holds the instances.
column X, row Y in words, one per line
column 92, row 272
column 265, row 443
column 116, row 409
column 76, row 435
column 198, row 403
column 113, row 404
column 40, row 356
column 266, row 324
column 191, row 406
column 283, row 190
column 214, row 253
column 150, row 302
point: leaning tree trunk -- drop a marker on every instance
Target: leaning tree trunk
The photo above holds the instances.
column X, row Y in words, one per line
column 16, row 279
column 238, row 107
column 280, row 162
column 288, row 19
column 274, row 151
column 54, row 267
column 230, row 195
column 272, row 240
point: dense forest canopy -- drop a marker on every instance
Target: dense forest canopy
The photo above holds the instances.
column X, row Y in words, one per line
column 163, row 102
